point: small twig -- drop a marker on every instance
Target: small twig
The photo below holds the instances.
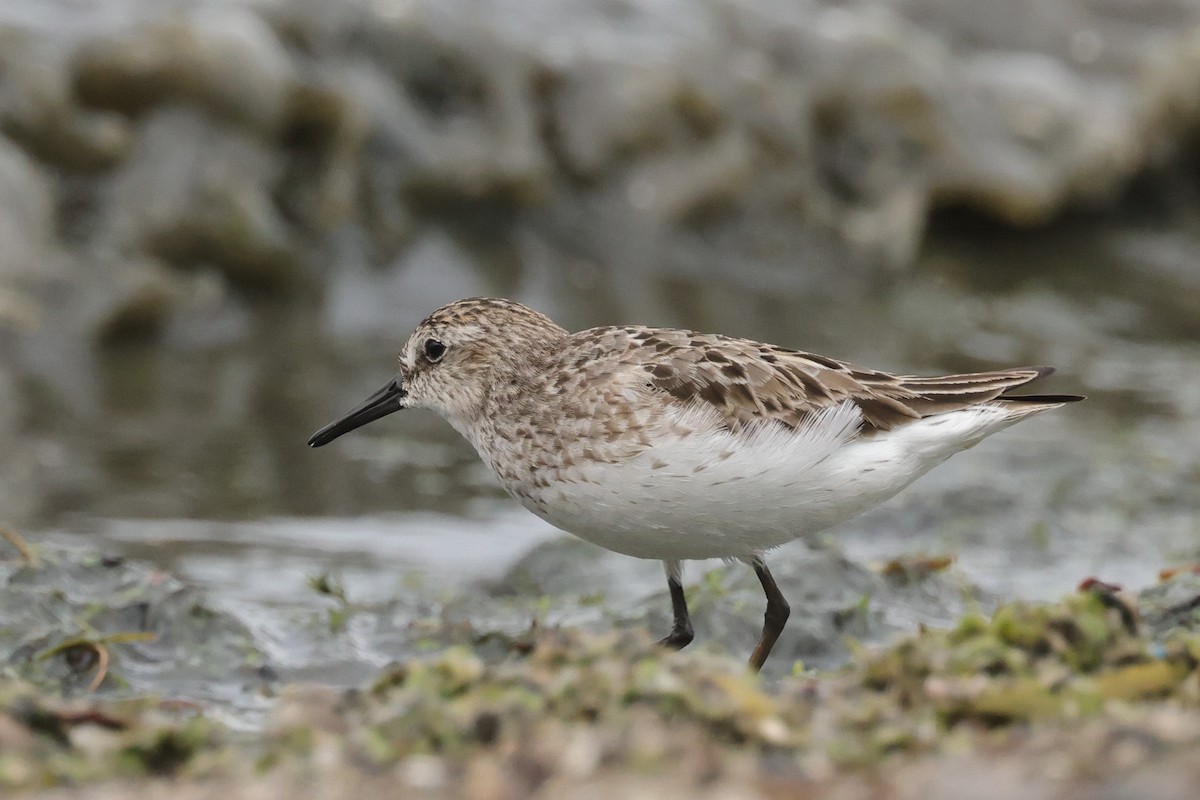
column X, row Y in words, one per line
column 20, row 544
column 97, row 646
column 112, row 638
column 101, row 666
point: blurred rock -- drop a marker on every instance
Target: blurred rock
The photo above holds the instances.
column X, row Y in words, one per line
column 1028, row 135
column 134, row 302
column 221, row 57
column 679, row 186
column 27, row 225
column 16, row 469
column 197, row 191
column 474, row 133
column 666, row 138
column 38, row 107
column 327, row 129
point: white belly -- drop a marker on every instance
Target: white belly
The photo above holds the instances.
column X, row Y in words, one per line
column 714, row 494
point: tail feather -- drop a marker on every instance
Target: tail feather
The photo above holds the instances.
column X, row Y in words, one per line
column 1042, row 399
column 944, row 393
column 1015, row 376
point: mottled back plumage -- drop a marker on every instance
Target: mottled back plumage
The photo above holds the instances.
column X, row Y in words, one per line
column 748, row 382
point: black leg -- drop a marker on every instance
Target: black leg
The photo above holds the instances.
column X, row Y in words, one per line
column 681, row 631
column 774, row 619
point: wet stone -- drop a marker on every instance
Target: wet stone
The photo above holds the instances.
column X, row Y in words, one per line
column 76, row 619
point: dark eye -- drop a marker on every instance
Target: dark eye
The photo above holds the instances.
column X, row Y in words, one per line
column 434, row 350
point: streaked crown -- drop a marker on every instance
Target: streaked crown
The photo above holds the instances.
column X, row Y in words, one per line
column 456, row 352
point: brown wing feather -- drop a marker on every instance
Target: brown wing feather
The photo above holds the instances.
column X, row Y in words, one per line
column 746, row 381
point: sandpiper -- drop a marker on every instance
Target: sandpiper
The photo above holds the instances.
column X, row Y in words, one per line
column 674, row 445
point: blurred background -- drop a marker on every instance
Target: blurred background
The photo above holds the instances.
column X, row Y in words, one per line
column 219, row 221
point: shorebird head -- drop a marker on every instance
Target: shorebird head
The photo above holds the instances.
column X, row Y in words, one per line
column 453, row 359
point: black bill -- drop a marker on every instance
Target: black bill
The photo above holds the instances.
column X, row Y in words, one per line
column 380, row 404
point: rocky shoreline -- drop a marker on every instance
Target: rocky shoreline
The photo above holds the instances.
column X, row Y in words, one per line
column 145, row 145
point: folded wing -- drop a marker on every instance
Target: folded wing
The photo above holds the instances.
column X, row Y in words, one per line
column 747, row 382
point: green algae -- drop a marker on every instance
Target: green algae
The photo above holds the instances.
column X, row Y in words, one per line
column 1027, row 663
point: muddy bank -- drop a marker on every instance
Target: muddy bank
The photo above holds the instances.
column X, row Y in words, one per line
column 75, row 621
column 1074, row 697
